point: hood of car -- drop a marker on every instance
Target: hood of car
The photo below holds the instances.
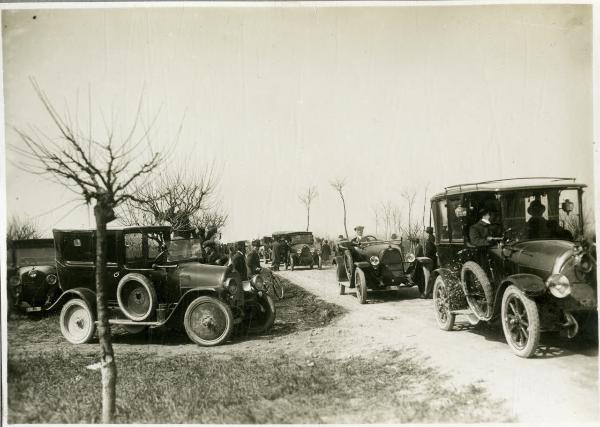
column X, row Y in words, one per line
column 197, row 275
column 376, row 249
column 541, row 256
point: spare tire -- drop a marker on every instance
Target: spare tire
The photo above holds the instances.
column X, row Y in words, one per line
column 136, row 296
column 478, row 290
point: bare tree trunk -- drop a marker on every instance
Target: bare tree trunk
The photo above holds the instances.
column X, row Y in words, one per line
column 108, row 366
column 345, row 226
column 307, row 217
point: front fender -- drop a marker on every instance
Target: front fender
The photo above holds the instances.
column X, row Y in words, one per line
column 530, row 284
column 85, row 294
column 362, row 264
column 188, row 297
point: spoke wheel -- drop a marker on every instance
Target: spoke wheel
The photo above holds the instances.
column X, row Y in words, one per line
column 260, row 315
column 520, row 322
column 441, row 303
column 478, row 290
column 77, row 322
column 208, row 321
column 277, row 287
column 361, row 286
column 292, row 264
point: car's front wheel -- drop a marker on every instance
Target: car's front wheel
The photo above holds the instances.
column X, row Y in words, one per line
column 441, row 302
column 77, row 322
column 208, row 321
column 361, row 286
column 520, row 322
column 260, row 315
column 292, row 263
column 320, row 262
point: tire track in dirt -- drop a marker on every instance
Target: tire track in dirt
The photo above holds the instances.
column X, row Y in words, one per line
column 559, row 386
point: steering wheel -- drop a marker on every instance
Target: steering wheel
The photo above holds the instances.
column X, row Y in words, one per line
column 369, row 238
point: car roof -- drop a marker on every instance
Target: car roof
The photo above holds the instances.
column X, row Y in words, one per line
column 280, row 233
column 123, row 228
column 33, row 243
column 510, row 184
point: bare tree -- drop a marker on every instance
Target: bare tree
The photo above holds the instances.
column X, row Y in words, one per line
column 102, row 173
column 21, row 228
column 306, row 198
column 182, row 200
column 338, row 185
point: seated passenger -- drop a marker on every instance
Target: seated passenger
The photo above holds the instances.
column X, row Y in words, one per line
column 537, row 224
column 557, row 232
column 479, row 235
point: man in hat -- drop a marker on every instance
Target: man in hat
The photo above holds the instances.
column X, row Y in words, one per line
column 359, row 234
column 238, row 260
column 276, row 254
column 537, row 224
column 325, row 251
column 253, row 259
column 210, row 252
column 430, row 248
column 479, row 235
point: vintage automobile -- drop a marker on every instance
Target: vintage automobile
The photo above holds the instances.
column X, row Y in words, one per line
column 153, row 281
column 303, row 251
column 538, row 275
column 32, row 280
column 377, row 265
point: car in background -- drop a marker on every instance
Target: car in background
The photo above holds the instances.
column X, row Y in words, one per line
column 378, row 265
column 153, row 281
column 539, row 274
column 32, row 280
column 302, row 249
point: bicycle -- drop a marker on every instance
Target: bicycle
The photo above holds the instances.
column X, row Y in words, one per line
column 273, row 284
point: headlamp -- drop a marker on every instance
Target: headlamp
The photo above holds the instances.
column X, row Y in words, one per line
column 51, row 279
column 410, row 257
column 374, row 260
column 559, row 285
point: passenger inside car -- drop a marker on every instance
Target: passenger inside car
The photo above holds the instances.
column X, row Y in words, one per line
column 537, row 225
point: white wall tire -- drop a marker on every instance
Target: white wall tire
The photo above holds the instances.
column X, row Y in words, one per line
column 361, row 286
column 480, row 294
column 208, row 321
column 136, row 297
column 520, row 322
column 77, row 322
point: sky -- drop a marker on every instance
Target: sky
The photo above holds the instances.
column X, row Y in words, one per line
column 281, row 97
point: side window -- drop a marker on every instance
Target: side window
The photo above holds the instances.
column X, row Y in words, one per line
column 111, row 247
column 155, row 241
column 456, row 225
column 78, row 247
column 443, row 216
column 133, row 247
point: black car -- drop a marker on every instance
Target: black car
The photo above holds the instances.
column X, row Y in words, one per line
column 374, row 264
column 302, row 249
column 32, row 280
column 537, row 273
column 154, row 281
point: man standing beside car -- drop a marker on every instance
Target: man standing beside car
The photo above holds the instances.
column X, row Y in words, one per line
column 253, row 259
column 238, row 260
column 276, row 255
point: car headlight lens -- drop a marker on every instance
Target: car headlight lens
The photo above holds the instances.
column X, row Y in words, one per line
column 374, row 260
column 258, row 282
column 585, row 263
column 410, row 257
column 33, row 274
column 559, row 285
column 13, row 281
column 51, row 279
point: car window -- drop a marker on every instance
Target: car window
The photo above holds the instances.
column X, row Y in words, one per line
column 78, row 247
column 133, row 247
column 455, row 222
column 442, row 213
column 155, row 243
column 306, row 239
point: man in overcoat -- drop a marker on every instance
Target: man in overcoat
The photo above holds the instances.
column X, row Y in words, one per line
column 253, row 259
column 238, row 260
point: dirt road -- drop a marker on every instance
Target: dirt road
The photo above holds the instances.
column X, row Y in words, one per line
column 560, row 385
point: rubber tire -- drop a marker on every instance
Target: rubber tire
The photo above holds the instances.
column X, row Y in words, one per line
column 228, row 327
column 292, row 264
column 267, row 303
column 422, row 285
column 90, row 319
column 533, row 318
column 361, row 286
column 342, row 289
column 147, row 284
column 348, row 259
column 450, row 317
column 320, row 263
column 484, row 281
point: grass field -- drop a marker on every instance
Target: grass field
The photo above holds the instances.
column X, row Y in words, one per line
column 48, row 381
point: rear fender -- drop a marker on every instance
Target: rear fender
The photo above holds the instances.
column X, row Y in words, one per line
column 362, row 264
column 85, row 294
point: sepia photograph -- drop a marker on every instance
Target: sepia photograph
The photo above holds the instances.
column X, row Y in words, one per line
column 299, row 212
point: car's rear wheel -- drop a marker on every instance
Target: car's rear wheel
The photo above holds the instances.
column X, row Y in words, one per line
column 478, row 290
column 441, row 303
column 520, row 322
column 320, row 262
column 208, row 321
column 77, row 322
column 361, row 286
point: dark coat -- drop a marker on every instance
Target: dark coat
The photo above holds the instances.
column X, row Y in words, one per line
column 239, row 264
column 326, row 251
column 276, row 254
column 430, row 248
column 478, row 234
column 253, row 262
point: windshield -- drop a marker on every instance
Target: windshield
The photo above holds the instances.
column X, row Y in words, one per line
column 542, row 214
column 34, row 256
column 182, row 249
column 305, row 239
